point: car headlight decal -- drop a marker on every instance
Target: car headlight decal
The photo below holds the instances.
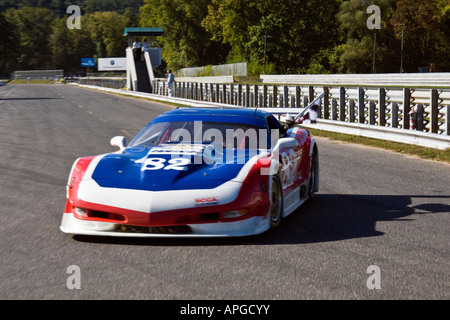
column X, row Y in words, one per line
column 80, row 212
column 235, row 213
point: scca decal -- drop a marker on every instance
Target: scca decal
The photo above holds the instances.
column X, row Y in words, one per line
column 207, row 201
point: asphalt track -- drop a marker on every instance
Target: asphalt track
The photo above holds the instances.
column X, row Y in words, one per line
column 374, row 208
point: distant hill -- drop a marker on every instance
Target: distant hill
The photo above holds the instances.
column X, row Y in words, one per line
column 86, row 6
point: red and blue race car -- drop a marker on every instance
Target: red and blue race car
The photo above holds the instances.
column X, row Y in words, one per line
column 195, row 172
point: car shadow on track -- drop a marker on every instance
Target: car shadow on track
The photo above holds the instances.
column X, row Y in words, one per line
column 26, row 99
column 329, row 217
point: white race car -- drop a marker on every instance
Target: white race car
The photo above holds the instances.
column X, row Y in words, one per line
column 195, row 173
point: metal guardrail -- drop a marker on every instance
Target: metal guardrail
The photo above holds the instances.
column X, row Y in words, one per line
column 382, row 113
column 406, row 80
column 107, row 82
column 38, row 74
column 391, row 107
column 215, row 79
column 232, row 69
column 412, row 137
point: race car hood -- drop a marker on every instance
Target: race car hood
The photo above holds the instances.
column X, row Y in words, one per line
column 164, row 168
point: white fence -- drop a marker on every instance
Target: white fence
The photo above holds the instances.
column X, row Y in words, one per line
column 388, row 107
column 423, row 108
column 421, row 114
column 431, row 140
column 405, row 80
column 38, row 74
column 107, row 82
column 232, row 69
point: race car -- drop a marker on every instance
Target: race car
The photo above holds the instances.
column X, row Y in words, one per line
column 195, row 172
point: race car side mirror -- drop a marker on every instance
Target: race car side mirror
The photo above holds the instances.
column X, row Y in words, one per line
column 119, row 142
column 284, row 143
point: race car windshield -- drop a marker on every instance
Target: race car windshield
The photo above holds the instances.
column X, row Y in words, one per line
column 230, row 135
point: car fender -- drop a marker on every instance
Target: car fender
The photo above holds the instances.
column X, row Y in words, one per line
column 77, row 172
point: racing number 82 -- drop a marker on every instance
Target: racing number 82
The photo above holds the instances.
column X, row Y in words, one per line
column 161, row 163
column 290, row 167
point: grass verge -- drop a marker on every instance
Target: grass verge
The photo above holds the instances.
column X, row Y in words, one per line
column 34, row 81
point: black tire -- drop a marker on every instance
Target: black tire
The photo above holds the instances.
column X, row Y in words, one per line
column 312, row 177
column 276, row 203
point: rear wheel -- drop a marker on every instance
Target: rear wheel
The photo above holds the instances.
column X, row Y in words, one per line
column 276, row 207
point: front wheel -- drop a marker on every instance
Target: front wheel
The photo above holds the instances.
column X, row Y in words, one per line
column 276, row 207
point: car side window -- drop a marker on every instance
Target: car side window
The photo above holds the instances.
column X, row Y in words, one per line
column 273, row 124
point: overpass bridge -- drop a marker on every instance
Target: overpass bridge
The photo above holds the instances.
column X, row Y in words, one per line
column 140, row 74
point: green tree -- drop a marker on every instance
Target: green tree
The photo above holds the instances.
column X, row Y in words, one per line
column 297, row 30
column 359, row 41
column 185, row 42
column 8, row 51
column 32, row 29
column 87, row 6
column 101, row 35
column 58, row 43
column 106, row 30
column 427, row 33
column 68, row 46
column 119, row 6
column 228, row 21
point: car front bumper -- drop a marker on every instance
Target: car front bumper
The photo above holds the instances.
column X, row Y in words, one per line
column 252, row 226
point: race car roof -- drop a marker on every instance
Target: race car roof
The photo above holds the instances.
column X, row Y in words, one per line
column 247, row 116
column 214, row 111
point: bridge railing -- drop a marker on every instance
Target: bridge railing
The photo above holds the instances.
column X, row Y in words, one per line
column 106, row 82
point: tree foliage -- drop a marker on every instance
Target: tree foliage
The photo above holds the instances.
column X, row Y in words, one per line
column 30, row 34
column 185, row 42
column 295, row 31
column 88, row 6
column 293, row 36
column 36, row 38
column 424, row 29
column 426, row 32
column 8, row 50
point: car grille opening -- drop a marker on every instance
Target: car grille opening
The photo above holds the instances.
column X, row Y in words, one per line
column 198, row 218
column 213, row 216
column 105, row 215
column 154, row 230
